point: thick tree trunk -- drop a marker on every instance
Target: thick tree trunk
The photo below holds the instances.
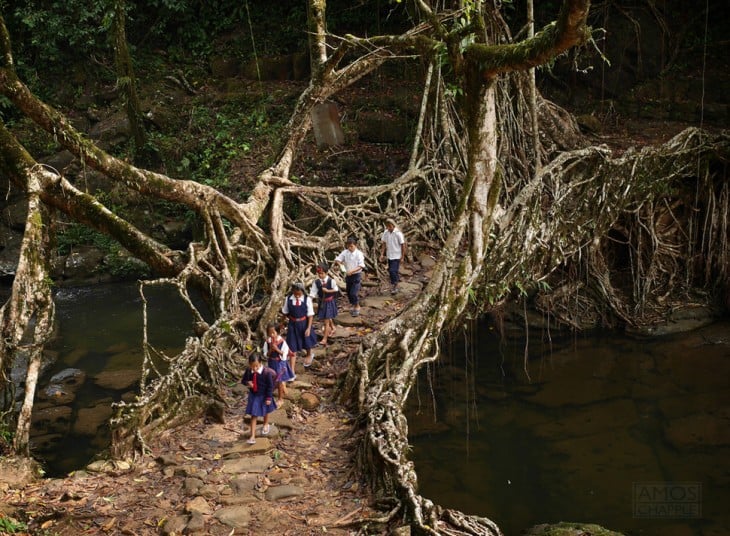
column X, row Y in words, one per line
column 126, row 80
column 26, row 319
column 316, row 22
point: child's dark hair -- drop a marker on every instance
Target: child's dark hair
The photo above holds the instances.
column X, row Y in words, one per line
column 272, row 325
column 255, row 357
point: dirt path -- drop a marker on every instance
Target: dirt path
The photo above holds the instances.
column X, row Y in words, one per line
column 204, row 479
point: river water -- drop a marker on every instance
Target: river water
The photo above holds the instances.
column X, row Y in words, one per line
column 629, row 433
column 100, row 334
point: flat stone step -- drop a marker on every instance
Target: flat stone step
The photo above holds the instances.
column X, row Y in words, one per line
column 252, row 464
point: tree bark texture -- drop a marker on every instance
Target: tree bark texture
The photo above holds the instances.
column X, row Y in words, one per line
column 27, row 317
column 126, row 80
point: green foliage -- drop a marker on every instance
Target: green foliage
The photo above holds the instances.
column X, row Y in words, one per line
column 125, row 267
column 117, row 261
column 222, row 144
column 48, row 35
column 7, row 111
column 54, row 32
column 77, row 234
column 45, row 31
column 521, row 288
column 454, row 90
column 36, row 140
column 8, row 525
column 223, row 136
column 6, row 434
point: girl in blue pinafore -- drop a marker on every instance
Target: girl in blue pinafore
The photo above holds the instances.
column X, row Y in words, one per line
column 260, row 382
column 277, row 358
column 300, row 334
column 325, row 290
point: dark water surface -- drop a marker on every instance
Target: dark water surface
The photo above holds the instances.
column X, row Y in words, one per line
column 628, row 433
column 100, row 333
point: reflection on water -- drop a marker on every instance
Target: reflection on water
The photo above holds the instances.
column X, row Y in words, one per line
column 100, row 334
column 598, row 418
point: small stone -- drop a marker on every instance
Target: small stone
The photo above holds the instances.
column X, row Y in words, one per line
column 188, row 470
column 309, row 401
column 243, row 484
column 282, row 492
column 234, row 516
column 208, row 491
column 175, row 525
column 238, row 500
column 192, row 485
column 167, row 459
column 254, row 464
column 198, row 505
column 196, row 523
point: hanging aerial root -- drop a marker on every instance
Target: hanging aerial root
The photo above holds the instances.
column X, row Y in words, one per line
column 193, row 383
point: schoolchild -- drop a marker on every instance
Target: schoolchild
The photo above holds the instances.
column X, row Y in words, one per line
column 300, row 334
column 354, row 262
column 394, row 249
column 260, row 382
column 325, row 290
column 276, row 352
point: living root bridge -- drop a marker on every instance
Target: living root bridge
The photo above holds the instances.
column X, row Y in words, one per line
column 470, row 193
column 588, row 193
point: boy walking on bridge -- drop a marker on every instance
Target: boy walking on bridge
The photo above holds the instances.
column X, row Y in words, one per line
column 394, row 248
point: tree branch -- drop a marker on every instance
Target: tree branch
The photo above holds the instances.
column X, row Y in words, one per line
column 569, row 30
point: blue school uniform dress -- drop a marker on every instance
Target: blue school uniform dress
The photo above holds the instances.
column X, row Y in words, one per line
column 262, row 390
column 327, row 302
column 274, row 360
column 297, row 310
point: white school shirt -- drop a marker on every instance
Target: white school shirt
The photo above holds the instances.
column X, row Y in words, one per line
column 314, row 291
column 393, row 243
column 352, row 259
column 284, row 348
column 293, row 299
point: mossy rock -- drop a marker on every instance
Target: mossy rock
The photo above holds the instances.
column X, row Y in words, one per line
column 570, row 529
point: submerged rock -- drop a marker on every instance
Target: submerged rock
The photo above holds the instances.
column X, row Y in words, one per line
column 70, row 377
column 56, row 419
column 88, row 420
column 56, row 394
column 117, row 379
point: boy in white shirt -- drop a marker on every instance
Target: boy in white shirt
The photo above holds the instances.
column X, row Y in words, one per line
column 354, row 262
column 394, row 248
